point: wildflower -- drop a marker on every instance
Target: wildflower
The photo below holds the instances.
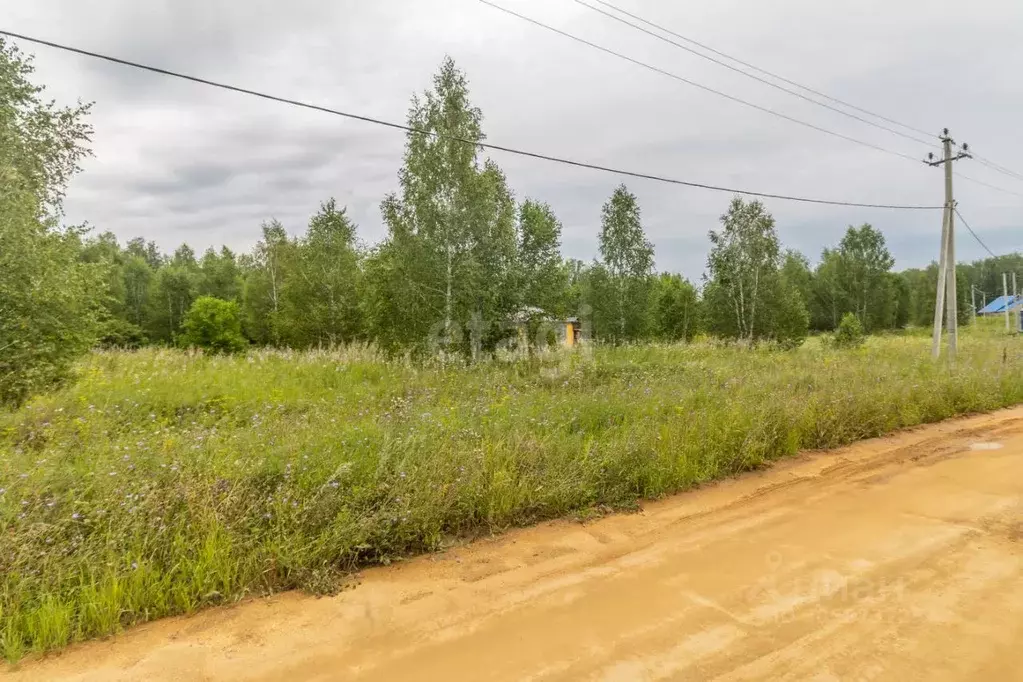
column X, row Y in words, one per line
column 76, row 516
column 134, row 565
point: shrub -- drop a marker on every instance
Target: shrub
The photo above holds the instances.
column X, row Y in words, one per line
column 790, row 320
column 48, row 298
column 215, row 325
column 118, row 333
column 850, row 332
column 47, row 306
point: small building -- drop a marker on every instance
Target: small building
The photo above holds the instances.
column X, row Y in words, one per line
column 1011, row 305
column 999, row 305
column 532, row 321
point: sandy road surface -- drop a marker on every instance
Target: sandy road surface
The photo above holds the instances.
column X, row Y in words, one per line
column 896, row 559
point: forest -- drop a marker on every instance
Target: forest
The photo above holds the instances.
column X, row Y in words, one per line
column 458, row 244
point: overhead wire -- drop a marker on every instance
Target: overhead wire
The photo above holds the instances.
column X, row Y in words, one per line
column 693, row 83
column 726, row 65
column 995, row 167
column 482, row 145
column 985, row 162
column 765, row 71
column 970, row 229
column 986, row 184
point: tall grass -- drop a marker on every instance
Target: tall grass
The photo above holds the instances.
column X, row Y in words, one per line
column 162, row 482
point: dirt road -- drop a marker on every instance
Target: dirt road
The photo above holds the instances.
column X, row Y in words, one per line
column 896, row 559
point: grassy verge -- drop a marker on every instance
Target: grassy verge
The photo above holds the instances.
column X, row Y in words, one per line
column 163, row 482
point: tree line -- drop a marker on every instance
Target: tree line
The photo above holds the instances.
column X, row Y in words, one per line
column 460, row 253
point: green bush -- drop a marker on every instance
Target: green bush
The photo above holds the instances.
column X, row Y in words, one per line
column 790, row 319
column 47, row 305
column 118, row 333
column 49, row 299
column 214, row 325
column 850, row 332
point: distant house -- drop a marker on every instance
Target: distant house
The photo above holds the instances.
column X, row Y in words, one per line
column 567, row 330
column 999, row 305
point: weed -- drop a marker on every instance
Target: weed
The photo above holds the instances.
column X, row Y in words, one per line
column 163, row 482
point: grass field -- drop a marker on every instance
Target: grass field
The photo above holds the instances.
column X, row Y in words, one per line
column 162, row 482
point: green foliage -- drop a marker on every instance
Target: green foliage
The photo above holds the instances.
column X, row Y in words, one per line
column 677, row 308
column 235, row 476
column 273, row 259
column 749, row 296
column 850, row 332
column 220, row 276
column 790, row 321
column 41, row 145
column 621, row 285
column 856, row 277
column 50, row 300
column 49, row 310
column 115, row 332
column 922, row 289
column 214, row 325
column 543, row 280
column 450, row 254
column 320, row 300
column 175, row 288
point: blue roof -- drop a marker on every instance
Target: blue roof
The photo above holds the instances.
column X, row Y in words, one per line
column 998, row 305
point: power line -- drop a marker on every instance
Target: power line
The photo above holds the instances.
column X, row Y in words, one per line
column 782, row 88
column 985, row 162
column 687, row 81
column 998, row 169
column 483, row 145
column 979, row 240
column 988, row 185
column 765, row 71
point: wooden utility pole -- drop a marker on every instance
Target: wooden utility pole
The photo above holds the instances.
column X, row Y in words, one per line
column 1014, row 299
column 946, row 300
column 1005, row 293
column 973, row 304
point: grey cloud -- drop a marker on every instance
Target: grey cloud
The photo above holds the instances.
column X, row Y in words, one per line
column 177, row 161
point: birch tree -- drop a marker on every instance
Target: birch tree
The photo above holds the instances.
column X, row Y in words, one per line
column 264, row 284
column 746, row 295
column 50, row 300
column 743, row 255
column 543, row 275
column 620, row 286
column 450, row 249
column 321, row 300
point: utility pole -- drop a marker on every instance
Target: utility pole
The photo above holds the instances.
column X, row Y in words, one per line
column 973, row 304
column 1014, row 299
column 946, row 292
column 1005, row 292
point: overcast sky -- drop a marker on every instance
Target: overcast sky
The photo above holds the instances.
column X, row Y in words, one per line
column 176, row 161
